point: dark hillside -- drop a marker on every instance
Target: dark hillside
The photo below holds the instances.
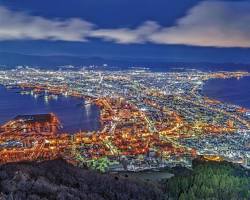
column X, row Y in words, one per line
column 60, row 180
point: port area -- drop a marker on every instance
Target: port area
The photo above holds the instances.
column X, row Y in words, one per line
column 143, row 127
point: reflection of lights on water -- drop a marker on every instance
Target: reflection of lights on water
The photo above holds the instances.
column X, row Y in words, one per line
column 88, row 109
column 65, row 94
column 46, row 99
column 55, row 97
column 50, row 97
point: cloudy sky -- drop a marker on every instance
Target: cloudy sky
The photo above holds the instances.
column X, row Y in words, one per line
column 179, row 30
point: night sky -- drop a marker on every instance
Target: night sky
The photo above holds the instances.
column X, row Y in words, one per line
column 165, row 30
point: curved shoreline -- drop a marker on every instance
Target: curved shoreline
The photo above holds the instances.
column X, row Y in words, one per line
column 73, row 117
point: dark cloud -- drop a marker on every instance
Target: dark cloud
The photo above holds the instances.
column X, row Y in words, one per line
column 210, row 23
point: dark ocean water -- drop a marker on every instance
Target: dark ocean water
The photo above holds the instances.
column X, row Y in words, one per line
column 70, row 111
column 229, row 90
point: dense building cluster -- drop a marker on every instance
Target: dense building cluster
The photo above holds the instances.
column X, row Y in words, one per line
column 149, row 119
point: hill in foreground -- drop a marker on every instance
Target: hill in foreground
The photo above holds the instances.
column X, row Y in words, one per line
column 211, row 181
column 60, row 180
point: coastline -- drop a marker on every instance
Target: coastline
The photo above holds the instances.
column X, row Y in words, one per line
column 71, row 111
column 112, row 145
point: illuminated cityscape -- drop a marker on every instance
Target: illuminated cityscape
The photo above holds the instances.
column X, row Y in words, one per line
column 149, row 120
column 125, row 100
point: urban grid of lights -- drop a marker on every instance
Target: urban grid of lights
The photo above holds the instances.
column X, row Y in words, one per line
column 149, row 119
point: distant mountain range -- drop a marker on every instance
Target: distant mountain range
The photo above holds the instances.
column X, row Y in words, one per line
column 10, row 60
column 14, row 59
